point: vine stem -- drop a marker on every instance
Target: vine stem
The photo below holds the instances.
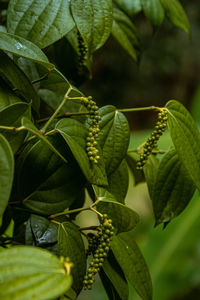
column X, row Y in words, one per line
column 96, row 211
column 91, row 207
column 16, row 129
column 57, row 110
column 68, row 212
column 139, row 109
column 65, row 115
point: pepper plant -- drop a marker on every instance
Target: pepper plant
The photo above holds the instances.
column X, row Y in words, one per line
column 56, row 143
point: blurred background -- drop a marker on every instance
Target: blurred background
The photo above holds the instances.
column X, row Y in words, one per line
column 169, row 69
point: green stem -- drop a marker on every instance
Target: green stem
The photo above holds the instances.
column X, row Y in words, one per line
column 77, row 98
column 96, row 211
column 64, row 115
column 51, row 132
column 64, row 213
column 139, row 109
column 77, row 210
column 57, row 110
column 16, row 129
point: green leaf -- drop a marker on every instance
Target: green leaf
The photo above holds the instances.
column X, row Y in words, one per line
column 29, row 272
column 132, row 263
column 116, row 276
column 23, row 48
column 30, row 69
column 130, row 7
column 118, row 182
column 75, row 134
column 150, row 172
column 94, row 21
column 114, row 136
column 154, row 11
column 6, row 173
column 28, row 125
column 42, row 22
column 137, row 174
column 7, row 98
column 108, row 286
column 125, row 33
column 70, row 244
column 18, row 80
column 44, row 183
column 176, row 14
column 53, row 89
column 186, row 138
column 173, row 189
column 42, row 233
column 11, row 116
column 124, row 218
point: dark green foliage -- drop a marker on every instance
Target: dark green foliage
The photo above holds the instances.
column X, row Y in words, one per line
column 70, row 244
column 172, row 189
column 46, row 164
column 114, row 274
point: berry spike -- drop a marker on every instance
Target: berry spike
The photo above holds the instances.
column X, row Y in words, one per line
column 100, row 252
column 151, row 143
column 93, row 131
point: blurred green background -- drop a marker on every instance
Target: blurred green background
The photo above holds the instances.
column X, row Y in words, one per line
column 169, row 69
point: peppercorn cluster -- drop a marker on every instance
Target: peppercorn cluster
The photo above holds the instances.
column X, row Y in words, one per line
column 93, row 243
column 102, row 246
column 91, row 143
column 83, row 50
column 151, row 143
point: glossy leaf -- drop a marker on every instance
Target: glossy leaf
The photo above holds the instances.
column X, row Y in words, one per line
column 150, row 172
column 30, row 68
column 23, row 48
column 19, row 80
column 186, row 138
column 108, row 286
column 29, row 272
column 6, row 173
column 11, row 116
column 132, row 264
column 41, row 22
column 124, row 218
column 7, row 98
column 116, row 276
column 130, row 7
column 28, row 125
column 154, row 11
column 176, row 14
column 173, row 188
column 42, row 233
column 70, row 244
column 94, row 21
column 137, row 174
column 44, row 183
column 113, row 137
column 75, row 135
column 125, row 33
column 53, row 89
column 118, row 182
